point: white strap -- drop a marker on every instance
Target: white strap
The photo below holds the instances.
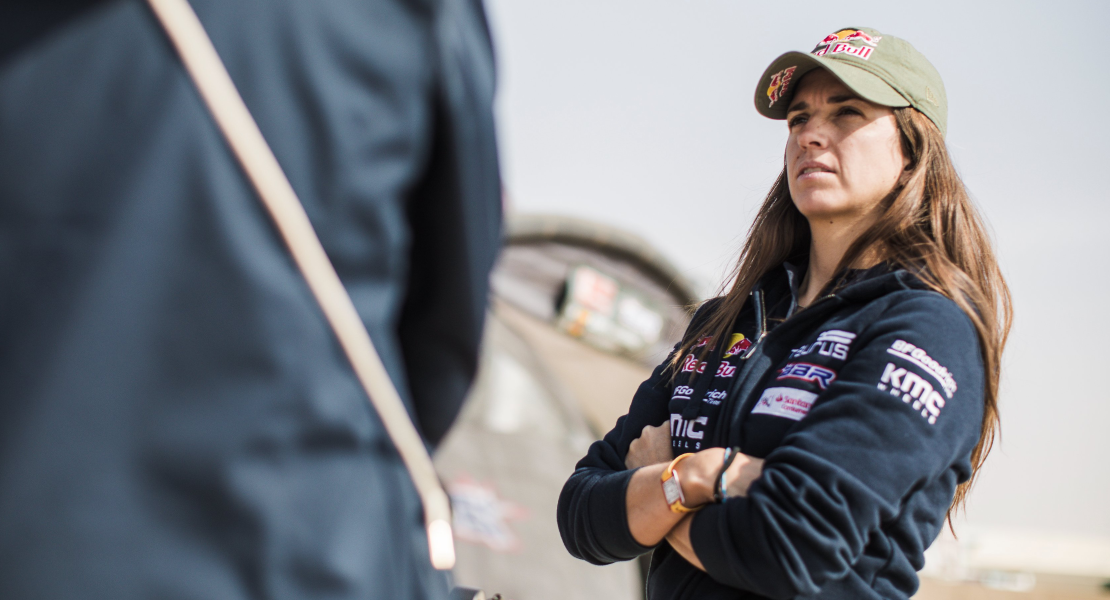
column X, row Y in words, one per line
column 212, row 80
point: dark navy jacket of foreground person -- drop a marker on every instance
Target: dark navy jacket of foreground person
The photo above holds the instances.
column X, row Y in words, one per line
column 866, row 407
column 176, row 418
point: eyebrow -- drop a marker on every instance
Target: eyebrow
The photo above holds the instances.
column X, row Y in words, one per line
column 833, row 100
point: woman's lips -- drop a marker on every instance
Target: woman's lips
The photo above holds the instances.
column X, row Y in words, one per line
column 813, row 170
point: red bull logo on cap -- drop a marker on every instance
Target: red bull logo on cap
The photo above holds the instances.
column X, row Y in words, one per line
column 848, row 41
column 847, row 35
column 779, row 83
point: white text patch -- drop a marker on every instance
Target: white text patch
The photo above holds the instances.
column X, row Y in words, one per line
column 785, row 402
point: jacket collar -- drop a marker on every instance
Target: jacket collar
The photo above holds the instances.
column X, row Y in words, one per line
column 854, row 285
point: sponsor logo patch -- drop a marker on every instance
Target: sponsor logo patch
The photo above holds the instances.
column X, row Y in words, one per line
column 682, row 392
column 834, row 343
column 689, row 430
column 785, row 402
column 913, row 390
column 779, row 82
column 847, row 35
column 907, row 351
column 691, row 364
column 738, row 345
column 725, row 369
column 841, row 42
column 822, row 376
column 715, row 397
column 861, row 51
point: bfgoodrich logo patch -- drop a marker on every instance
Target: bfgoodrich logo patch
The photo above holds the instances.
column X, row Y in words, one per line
column 785, row 402
column 907, row 351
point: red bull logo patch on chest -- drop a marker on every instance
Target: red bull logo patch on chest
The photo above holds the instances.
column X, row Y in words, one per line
column 737, row 345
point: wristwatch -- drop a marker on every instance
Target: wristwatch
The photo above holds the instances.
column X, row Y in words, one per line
column 672, row 488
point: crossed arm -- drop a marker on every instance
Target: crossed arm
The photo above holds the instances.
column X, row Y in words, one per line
column 650, row 519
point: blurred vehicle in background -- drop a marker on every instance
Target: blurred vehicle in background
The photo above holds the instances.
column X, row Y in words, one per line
column 580, row 314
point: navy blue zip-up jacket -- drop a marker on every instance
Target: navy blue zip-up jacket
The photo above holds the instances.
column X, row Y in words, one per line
column 866, row 407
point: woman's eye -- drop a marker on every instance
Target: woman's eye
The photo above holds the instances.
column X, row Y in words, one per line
column 848, row 110
column 797, row 120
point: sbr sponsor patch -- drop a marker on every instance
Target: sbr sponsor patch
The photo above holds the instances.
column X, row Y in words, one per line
column 788, row 403
column 822, row 376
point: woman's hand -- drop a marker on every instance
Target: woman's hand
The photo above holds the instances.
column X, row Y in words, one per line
column 651, row 448
column 679, row 539
column 743, row 471
column 650, row 519
column 738, row 479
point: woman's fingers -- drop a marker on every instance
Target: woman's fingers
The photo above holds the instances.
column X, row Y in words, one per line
column 652, row 447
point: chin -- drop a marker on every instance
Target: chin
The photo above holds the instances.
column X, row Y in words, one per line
column 818, row 207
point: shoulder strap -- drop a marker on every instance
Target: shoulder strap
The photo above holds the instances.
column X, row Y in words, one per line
column 231, row 115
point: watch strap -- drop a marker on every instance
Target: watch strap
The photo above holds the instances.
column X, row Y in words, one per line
column 672, row 487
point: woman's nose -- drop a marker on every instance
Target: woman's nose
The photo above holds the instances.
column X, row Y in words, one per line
column 813, row 134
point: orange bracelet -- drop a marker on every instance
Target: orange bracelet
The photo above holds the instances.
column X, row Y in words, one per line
column 672, row 488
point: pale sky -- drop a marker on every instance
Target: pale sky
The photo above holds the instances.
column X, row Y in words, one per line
column 639, row 114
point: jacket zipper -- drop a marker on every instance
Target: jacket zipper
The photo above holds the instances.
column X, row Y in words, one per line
column 740, row 404
column 760, row 322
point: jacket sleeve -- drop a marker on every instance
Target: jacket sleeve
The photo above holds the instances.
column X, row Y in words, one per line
column 454, row 212
column 904, row 410
column 592, row 516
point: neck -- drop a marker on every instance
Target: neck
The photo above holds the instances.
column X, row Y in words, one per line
column 830, row 239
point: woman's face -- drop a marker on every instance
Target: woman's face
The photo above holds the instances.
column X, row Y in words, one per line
column 844, row 154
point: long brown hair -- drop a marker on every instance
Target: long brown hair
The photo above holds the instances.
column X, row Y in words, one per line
column 927, row 225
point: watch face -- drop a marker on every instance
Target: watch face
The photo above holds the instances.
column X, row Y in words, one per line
column 672, row 490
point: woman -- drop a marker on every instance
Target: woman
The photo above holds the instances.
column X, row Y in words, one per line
column 819, row 421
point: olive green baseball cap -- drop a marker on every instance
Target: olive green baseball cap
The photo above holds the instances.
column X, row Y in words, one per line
column 881, row 68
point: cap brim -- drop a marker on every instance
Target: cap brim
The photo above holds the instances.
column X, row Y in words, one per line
column 867, row 85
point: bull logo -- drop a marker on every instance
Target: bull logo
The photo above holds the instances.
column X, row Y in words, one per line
column 779, row 83
column 847, row 35
column 737, row 345
column 848, row 41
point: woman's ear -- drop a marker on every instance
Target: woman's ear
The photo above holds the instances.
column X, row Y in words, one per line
column 904, row 176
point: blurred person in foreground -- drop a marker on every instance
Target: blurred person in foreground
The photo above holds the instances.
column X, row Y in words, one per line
column 177, row 418
column 823, row 417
